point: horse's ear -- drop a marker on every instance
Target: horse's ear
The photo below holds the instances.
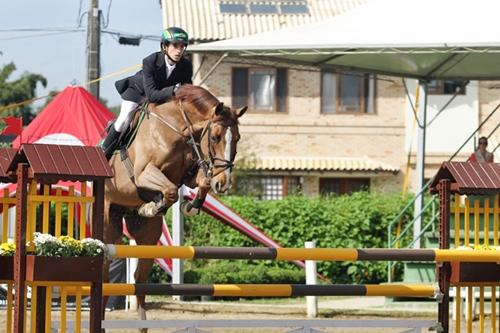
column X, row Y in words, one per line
column 241, row 111
column 219, row 109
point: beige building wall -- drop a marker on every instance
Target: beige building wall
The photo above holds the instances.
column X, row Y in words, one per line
column 304, row 131
column 489, row 98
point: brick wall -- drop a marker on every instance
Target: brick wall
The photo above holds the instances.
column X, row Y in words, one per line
column 304, row 131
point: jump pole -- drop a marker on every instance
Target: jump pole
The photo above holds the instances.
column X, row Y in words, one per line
column 266, row 290
column 317, row 254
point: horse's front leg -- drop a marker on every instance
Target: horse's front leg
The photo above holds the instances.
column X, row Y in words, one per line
column 190, row 208
column 156, row 190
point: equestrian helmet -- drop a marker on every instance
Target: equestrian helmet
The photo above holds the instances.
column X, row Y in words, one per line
column 174, row 35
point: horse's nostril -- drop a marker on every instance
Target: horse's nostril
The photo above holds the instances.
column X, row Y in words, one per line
column 218, row 186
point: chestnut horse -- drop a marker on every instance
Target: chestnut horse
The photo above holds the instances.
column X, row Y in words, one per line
column 189, row 140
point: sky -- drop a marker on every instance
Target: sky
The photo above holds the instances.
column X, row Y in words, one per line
column 61, row 57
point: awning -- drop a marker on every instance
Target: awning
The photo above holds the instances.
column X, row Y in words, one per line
column 346, row 164
column 445, row 39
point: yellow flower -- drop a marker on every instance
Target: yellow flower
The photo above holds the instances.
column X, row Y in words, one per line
column 7, row 249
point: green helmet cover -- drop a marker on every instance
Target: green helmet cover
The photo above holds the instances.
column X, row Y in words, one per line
column 174, row 35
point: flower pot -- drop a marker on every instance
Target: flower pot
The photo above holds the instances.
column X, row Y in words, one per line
column 72, row 269
column 482, row 272
column 6, row 268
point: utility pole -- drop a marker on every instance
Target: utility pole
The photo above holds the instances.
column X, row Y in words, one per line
column 94, row 47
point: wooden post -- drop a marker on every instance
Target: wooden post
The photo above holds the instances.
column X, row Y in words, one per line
column 444, row 270
column 20, row 255
column 96, row 306
column 41, row 302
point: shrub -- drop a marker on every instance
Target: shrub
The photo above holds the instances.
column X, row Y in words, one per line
column 356, row 221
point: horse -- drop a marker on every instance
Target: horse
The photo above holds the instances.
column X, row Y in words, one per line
column 189, row 140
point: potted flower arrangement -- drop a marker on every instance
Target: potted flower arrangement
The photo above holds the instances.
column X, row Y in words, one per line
column 65, row 259
column 7, row 251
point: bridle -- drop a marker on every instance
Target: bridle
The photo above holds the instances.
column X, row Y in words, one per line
column 207, row 165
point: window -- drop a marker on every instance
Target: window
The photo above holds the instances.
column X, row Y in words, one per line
column 263, row 8
column 275, row 188
column 339, row 186
column 268, row 187
column 446, row 87
column 344, row 93
column 272, row 188
column 272, row 7
column 262, row 89
column 234, row 8
column 294, row 8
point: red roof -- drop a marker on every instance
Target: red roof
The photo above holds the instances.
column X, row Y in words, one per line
column 64, row 162
column 74, row 117
column 469, row 177
column 6, row 157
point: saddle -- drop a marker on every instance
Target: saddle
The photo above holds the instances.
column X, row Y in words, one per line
column 127, row 136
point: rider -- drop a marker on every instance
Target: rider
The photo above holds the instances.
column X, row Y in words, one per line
column 161, row 75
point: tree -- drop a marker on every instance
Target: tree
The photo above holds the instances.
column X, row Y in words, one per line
column 50, row 97
column 15, row 91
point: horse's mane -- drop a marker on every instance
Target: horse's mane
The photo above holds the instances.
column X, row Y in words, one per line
column 200, row 98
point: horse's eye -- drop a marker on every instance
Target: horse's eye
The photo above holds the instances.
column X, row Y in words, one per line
column 213, row 139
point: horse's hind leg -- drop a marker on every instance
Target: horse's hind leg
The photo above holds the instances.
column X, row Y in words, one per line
column 146, row 231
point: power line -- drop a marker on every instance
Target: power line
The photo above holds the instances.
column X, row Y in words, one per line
column 105, row 23
column 79, row 16
column 40, row 35
column 37, row 29
column 76, row 29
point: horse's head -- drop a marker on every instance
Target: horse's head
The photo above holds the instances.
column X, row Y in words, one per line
column 222, row 136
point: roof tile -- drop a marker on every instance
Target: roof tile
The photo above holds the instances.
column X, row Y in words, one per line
column 317, row 164
column 470, row 177
column 64, row 162
column 6, row 157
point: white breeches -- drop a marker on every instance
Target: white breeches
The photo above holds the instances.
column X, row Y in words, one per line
column 124, row 117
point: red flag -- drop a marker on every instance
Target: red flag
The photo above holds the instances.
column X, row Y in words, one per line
column 14, row 125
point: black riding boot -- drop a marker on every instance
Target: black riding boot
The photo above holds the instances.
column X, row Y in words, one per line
column 111, row 142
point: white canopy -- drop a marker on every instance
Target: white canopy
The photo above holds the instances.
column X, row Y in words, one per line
column 424, row 39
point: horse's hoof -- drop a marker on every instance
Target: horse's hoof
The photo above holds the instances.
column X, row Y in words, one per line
column 187, row 209
column 149, row 209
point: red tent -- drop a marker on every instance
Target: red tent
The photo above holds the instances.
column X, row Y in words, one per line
column 74, row 117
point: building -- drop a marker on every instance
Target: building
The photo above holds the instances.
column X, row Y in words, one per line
column 326, row 132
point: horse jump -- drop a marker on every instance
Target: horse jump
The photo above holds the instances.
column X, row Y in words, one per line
column 461, row 258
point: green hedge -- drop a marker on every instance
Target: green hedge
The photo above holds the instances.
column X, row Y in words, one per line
column 355, row 221
column 240, row 271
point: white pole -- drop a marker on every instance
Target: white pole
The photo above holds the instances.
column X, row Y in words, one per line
column 131, row 301
column 420, row 168
column 178, row 238
column 312, row 301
